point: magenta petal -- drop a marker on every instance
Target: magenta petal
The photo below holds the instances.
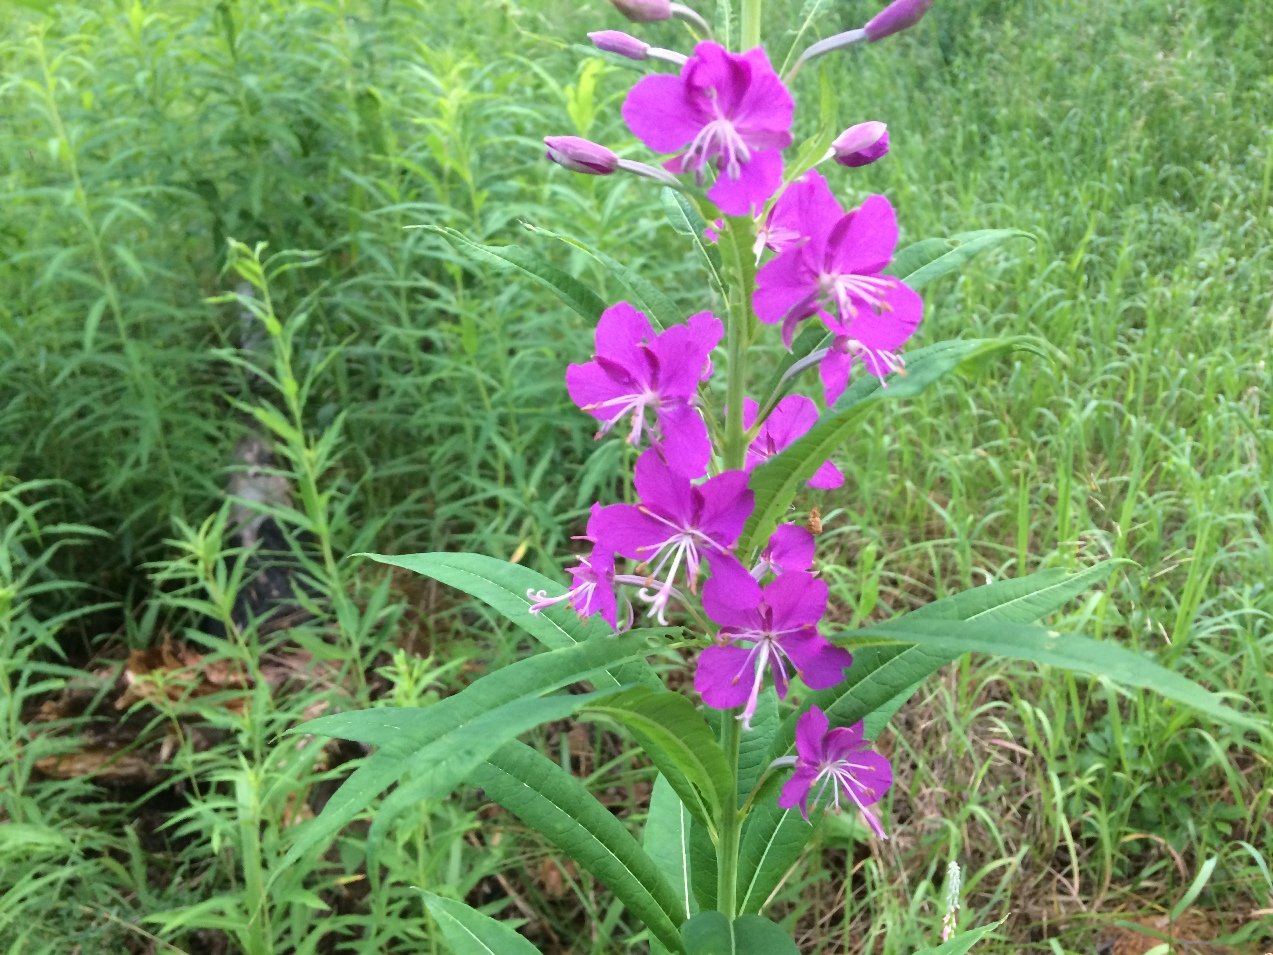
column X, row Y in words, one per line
column 791, row 418
column 658, row 113
column 621, row 330
column 763, row 112
column 890, row 329
column 795, row 791
column 843, row 741
column 791, row 547
column 834, row 372
column 821, row 663
column 797, row 599
column 682, row 352
column 785, row 287
column 727, row 503
column 735, row 587
column 808, row 207
column 589, row 385
column 811, row 729
column 724, row 676
column 661, row 489
column 867, row 241
column 727, row 604
column 874, row 775
column 758, row 179
column 685, row 442
column 828, row 476
column 624, row 529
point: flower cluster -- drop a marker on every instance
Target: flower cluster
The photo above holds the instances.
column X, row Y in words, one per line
column 723, row 122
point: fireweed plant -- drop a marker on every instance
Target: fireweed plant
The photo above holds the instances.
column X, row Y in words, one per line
column 707, row 563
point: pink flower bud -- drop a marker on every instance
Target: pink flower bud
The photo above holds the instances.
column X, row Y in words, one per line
column 897, row 16
column 616, row 41
column 581, row 155
column 644, row 11
column 861, row 145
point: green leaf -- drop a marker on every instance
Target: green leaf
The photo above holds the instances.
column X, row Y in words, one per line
column 503, row 587
column 468, row 932
column 1099, row 658
column 961, row 942
column 667, row 840
column 776, row 482
column 444, row 763
column 711, row 933
column 753, row 748
column 680, row 744
column 772, row 841
column 930, row 259
column 685, row 220
column 556, row 805
column 514, row 258
column 643, row 293
column 404, row 732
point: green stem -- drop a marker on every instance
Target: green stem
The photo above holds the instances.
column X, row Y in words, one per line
column 751, row 24
column 730, row 823
column 740, row 270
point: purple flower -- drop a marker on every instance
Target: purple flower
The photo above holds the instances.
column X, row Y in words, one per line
column 616, row 41
column 835, row 274
column 897, row 16
column 790, row 419
column 593, row 590
column 635, row 371
column 839, row 760
column 581, row 155
column 860, row 145
column 675, row 527
column 726, row 109
column 790, row 548
column 644, row 11
column 776, row 632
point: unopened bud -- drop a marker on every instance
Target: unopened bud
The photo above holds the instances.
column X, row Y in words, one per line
column 860, row 145
column 644, row 11
column 897, row 16
column 616, row 41
column 581, row 155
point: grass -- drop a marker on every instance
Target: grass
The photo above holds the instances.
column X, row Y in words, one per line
column 412, row 402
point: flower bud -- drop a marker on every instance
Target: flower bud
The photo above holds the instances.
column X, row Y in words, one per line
column 861, row 145
column 581, row 155
column 897, row 16
column 644, row 11
column 616, row 41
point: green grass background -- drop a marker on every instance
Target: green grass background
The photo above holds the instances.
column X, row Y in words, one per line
column 416, row 402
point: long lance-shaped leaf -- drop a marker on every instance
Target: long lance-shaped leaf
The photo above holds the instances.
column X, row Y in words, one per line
column 777, row 481
column 556, row 805
column 1079, row 654
column 468, row 932
column 442, row 765
column 566, row 287
column 644, row 294
column 679, row 742
column 503, row 587
column 685, row 220
column 401, row 732
column 667, row 841
column 930, row 259
column 881, row 678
